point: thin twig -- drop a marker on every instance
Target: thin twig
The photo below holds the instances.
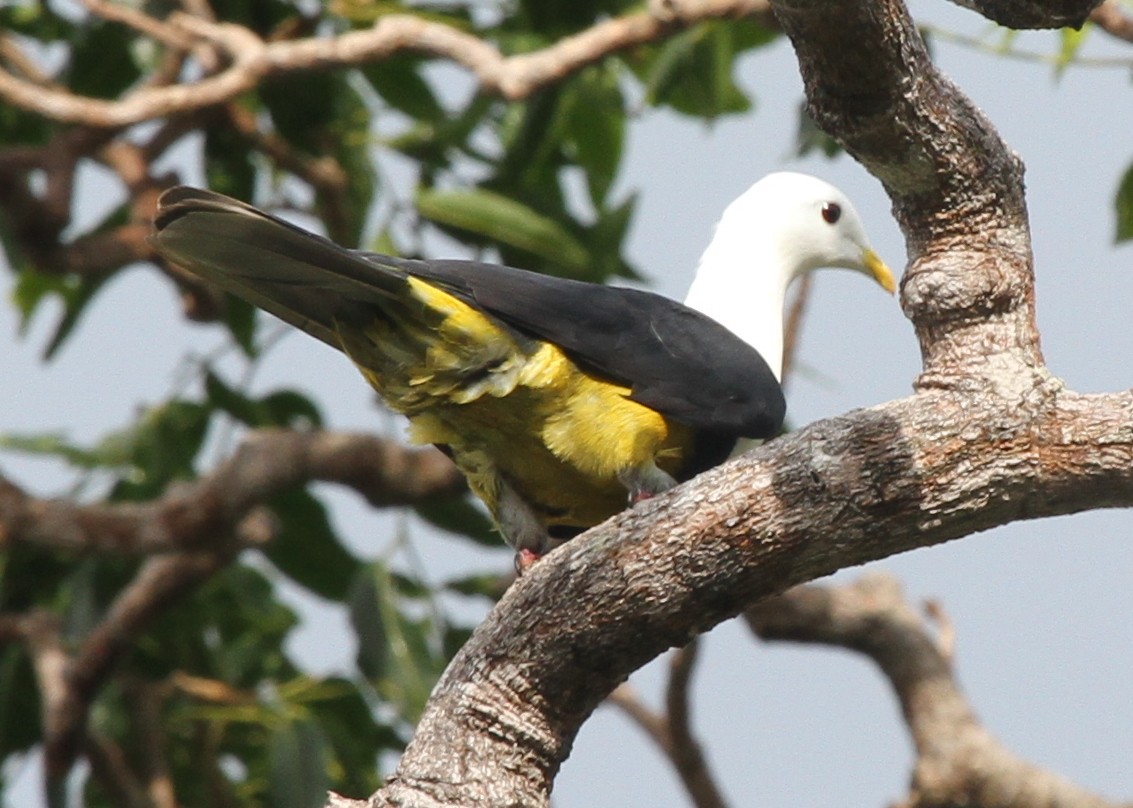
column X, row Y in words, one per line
column 672, row 732
column 1110, row 17
column 792, row 329
column 652, row 723
column 687, row 756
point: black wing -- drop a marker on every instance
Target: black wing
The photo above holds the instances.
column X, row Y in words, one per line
column 677, row 361
column 302, row 278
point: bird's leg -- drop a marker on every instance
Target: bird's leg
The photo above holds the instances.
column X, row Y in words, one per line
column 643, row 482
column 521, row 528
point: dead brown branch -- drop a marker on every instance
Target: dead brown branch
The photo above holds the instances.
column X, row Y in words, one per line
column 958, row 760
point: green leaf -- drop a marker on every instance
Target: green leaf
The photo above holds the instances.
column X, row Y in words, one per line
column 19, row 126
column 33, row 288
column 298, row 753
column 291, row 409
column 1070, row 41
column 394, row 650
column 1123, row 205
column 307, row 549
column 55, row 444
column 167, row 440
column 369, row 626
column 398, row 80
column 353, row 735
column 321, row 113
column 75, row 304
column 809, row 138
column 531, row 135
column 159, row 447
column 240, row 318
column 498, row 218
column 692, row 72
column 432, row 143
column 232, row 627
column 286, row 408
column 36, row 20
column 352, row 140
column 229, row 167
column 460, row 516
column 19, row 702
column 606, row 240
column 228, row 399
column 303, row 106
column 595, row 128
column 101, row 65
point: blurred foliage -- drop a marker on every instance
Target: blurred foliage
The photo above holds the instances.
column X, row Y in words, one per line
column 1124, row 205
column 534, row 184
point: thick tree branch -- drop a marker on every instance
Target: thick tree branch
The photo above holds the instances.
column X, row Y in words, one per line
column 957, row 189
column 841, row 492
column 253, row 59
column 1033, row 13
column 958, row 761
column 193, row 515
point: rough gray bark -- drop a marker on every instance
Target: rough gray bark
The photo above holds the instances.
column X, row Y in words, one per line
column 1034, row 13
column 989, row 437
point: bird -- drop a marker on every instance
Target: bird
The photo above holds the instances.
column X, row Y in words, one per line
column 561, row 401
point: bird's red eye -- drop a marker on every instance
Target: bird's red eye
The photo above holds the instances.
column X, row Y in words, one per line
column 831, row 212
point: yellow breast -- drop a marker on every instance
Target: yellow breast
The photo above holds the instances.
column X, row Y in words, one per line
column 511, row 409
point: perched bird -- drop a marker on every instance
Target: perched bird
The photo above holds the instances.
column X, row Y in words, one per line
column 558, row 399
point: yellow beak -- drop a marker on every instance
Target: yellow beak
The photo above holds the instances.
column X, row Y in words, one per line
column 881, row 273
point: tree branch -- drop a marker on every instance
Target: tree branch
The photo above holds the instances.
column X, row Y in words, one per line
column 958, row 761
column 1111, row 19
column 193, row 515
column 841, row 492
column 253, row 59
column 672, row 731
column 161, row 581
column 957, row 189
column 687, row 756
column 1022, row 14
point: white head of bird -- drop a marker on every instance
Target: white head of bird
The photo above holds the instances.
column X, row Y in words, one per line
column 785, row 225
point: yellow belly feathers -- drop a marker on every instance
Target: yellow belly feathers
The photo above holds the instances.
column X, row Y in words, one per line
column 494, row 397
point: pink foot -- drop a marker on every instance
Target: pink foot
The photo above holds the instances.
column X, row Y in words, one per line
column 525, row 559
